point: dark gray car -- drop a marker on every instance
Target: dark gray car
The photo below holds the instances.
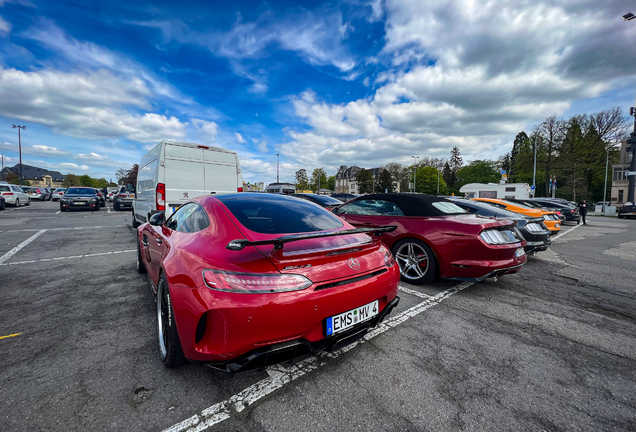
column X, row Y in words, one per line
column 79, row 198
column 123, row 199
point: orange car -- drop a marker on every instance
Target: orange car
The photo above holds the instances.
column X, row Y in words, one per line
column 551, row 219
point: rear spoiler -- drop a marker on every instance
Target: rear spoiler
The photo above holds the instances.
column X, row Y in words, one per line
column 278, row 243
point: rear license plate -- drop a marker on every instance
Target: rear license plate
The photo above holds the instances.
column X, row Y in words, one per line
column 346, row 320
column 520, row 252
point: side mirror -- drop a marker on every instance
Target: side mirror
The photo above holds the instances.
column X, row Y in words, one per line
column 157, row 219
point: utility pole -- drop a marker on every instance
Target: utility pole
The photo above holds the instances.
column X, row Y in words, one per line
column 632, row 166
column 277, row 168
column 414, row 171
column 438, row 182
column 534, row 175
column 20, row 147
column 605, row 184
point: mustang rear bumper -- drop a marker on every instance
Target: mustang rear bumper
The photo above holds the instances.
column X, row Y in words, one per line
column 296, row 350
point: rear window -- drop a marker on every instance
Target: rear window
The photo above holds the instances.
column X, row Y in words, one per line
column 279, row 214
column 448, row 207
column 4, row 189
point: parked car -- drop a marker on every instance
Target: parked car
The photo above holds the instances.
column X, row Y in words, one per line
column 533, row 230
column 344, row 197
column 174, row 172
column 79, row 198
column 435, row 237
column 123, row 200
column 111, row 195
column 100, row 196
column 628, row 210
column 14, row 195
column 57, row 193
column 537, row 205
column 570, row 212
column 39, row 193
column 50, row 192
column 550, row 218
column 322, row 200
column 3, row 203
column 243, row 281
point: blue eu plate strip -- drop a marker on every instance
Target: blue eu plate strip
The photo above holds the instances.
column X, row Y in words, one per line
column 329, row 326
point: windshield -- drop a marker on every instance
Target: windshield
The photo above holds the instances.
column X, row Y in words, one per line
column 489, row 208
column 279, row 214
column 448, row 207
column 80, row 191
column 517, row 204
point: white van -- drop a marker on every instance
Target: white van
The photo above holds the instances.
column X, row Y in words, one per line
column 174, row 172
column 496, row 190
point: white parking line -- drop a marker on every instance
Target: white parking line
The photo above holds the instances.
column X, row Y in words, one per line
column 279, row 375
column 16, row 249
column 558, row 236
column 70, row 228
column 68, row 257
column 58, row 212
column 415, row 293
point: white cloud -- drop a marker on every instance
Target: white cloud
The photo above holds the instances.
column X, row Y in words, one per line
column 255, row 169
column 470, row 74
column 63, row 167
column 207, row 130
column 84, row 104
column 5, row 26
column 239, row 138
column 35, row 150
column 97, row 160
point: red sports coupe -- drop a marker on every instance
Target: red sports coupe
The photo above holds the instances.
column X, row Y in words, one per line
column 243, row 281
column 435, row 237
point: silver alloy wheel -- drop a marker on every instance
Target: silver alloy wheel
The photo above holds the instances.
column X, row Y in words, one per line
column 413, row 261
column 162, row 318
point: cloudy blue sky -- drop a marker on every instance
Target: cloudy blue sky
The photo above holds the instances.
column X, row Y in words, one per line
column 322, row 83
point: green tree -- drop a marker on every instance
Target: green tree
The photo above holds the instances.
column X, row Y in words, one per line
column 302, row 181
column 71, row 180
column 456, row 161
column 365, row 181
column 479, row 171
column 331, row 183
column 86, row 180
column 318, row 179
column 449, row 175
column 101, row 183
column 426, row 181
column 385, row 181
column 520, row 140
column 17, row 182
column 400, row 174
column 9, row 178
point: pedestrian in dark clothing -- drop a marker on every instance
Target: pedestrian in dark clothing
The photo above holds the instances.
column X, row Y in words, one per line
column 583, row 206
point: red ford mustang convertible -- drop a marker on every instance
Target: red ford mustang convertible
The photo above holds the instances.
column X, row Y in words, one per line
column 246, row 280
column 435, row 237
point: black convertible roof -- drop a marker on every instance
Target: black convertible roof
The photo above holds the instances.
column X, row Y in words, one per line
column 410, row 204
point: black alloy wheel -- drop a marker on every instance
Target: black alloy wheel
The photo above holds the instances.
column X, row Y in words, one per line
column 167, row 336
column 416, row 261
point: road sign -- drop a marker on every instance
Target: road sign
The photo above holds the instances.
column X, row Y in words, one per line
column 630, row 173
column 502, row 172
column 532, row 187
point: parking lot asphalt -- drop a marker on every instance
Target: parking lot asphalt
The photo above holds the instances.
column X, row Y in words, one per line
column 552, row 347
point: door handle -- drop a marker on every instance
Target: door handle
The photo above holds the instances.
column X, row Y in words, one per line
column 159, row 241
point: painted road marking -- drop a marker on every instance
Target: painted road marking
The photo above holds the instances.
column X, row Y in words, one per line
column 58, row 212
column 564, row 233
column 17, row 249
column 69, row 257
column 70, row 228
column 280, row 375
column 11, row 335
column 415, row 293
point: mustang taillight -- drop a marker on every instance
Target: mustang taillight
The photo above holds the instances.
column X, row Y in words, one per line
column 254, row 283
column 498, row 237
column 161, row 197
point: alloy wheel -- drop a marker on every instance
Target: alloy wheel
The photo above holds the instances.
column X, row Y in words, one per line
column 413, row 261
column 163, row 317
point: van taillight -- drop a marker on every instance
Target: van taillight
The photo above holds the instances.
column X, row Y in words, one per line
column 161, row 197
column 239, row 189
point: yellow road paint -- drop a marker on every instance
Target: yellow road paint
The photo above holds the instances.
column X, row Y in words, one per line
column 11, row 335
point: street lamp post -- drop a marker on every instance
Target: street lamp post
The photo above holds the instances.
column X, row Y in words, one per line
column 438, row 181
column 534, row 174
column 632, row 140
column 20, row 147
column 414, row 171
column 605, row 184
column 277, row 168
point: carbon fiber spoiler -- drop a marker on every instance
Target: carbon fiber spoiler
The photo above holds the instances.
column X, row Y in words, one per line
column 278, row 243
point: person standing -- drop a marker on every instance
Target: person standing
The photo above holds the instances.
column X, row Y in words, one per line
column 583, row 206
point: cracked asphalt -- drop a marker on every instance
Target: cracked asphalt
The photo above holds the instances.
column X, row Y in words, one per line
column 551, row 348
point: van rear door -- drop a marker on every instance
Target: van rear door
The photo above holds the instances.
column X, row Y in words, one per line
column 184, row 175
column 221, row 172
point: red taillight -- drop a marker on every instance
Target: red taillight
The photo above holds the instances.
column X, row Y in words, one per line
column 254, row 283
column 161, row 197
column 39, row 190
column 559, row 213
column 239, row 189
column 7, row 193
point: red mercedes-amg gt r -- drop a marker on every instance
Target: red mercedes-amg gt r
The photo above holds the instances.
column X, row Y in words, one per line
column 243, row 281
column 435, row 237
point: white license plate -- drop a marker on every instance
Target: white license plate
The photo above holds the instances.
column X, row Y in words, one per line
column 556, row 225
column 520, row 252
column 345, row 320
column 79, row 203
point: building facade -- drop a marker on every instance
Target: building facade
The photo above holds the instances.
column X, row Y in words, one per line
column 620, row 182
column 36, row 176
column 346, row 179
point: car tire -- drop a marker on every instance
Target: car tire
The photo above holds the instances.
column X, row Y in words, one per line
column 167, row 335
column 28, row 203
column 410, row 254
column 97, row 208
column 135, row 223
column 620, row 217
column 116, row 206
column 141, row 268
column 3, row 204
